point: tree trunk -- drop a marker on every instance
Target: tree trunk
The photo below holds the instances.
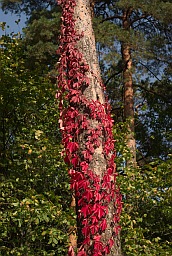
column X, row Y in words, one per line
column 87, row 134
column 128, row 91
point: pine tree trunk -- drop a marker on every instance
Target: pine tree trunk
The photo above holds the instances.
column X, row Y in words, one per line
column 95, row 92
column 128, row 91
column 87, row 135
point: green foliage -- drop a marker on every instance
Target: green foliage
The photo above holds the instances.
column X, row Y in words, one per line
column 31, row 223
column 35, row 197
column 147, row 212
column 26, row 6
column 41, row 40
column 155, row 121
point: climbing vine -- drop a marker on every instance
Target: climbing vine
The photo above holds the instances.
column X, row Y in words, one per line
column 86, row 125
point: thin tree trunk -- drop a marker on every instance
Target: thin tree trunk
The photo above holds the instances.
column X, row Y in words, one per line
column 72, row 231
column 128, row 91
column 87, row 135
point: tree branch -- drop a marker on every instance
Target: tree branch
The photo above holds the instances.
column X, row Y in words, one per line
column 149, row 71
column 112, row 76
column 139, row 18
column 153, row 92
column 112, row 17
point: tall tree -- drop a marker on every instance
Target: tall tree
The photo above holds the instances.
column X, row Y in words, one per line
column 128, row 96
column 87, row 134
column 141, row 35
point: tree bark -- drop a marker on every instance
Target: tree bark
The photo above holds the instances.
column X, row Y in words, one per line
column 128, row 91
column 87, row 135
column 95, row 92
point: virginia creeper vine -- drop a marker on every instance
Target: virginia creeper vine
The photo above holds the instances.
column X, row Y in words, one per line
column 81, row 138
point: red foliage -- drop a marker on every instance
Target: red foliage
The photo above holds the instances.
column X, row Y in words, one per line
column 93, row 193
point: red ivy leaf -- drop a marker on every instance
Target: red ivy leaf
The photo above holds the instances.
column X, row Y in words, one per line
column 88, row 195
column 98, row 197
column 72, row 146
column 110, row 171
column 85, row 231
column 71, row 251
column 111, row 242
column 86, row 210
column 90, row 147
column 87, row 240
column 86, row 80
column 87, row 155
column 82, row 253
column 71, row 73
column 97, row 253
column 97, row 238
column 72, row 112
column 117, row 229
column 84, row 166
column 74, row 161
column 94, row 220
column 76, row 85
column 107, row 249
column 75, row 99
column 83, row 184
column 106, row 178
column 94, row 229
column 72, row 172
column 103, row 225
column 116, row 218
column 99, row 210
column 84, row 124
column 78, row 76
column 98, row 247
column 67, row 160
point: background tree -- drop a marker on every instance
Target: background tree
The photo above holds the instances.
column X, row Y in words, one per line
column 35, row 198
column 145, row 33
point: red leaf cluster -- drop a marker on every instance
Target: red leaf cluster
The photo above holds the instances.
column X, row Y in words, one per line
column 94, row 193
